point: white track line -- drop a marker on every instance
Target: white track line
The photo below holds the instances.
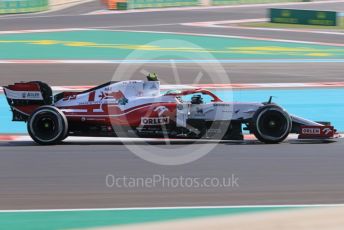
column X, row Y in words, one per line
column 219, row 24
column 286, row 30
column 175, row 208
column 42, row 31
column 80, row 29
column 166, row 32
column 232, row 36
column 215, row 23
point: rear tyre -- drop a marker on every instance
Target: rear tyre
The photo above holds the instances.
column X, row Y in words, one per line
column 47, row 125
column 271, row 124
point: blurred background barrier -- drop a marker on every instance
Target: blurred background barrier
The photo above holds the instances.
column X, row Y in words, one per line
column 29, row 6
column 161, row 3
column 117, row 4
column 22, row 6
column 303, row 17
column 233, row 2
column 137, row 4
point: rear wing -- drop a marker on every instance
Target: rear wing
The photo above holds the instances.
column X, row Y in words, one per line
column 25, row 97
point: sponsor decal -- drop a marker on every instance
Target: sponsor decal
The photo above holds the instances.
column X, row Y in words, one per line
column 96, row 119
column 317, row 132
column 155, row 120
column 29, row 95
column 130, row 82
column 118, row 96
column 215, row 131
column 199, row 112
column 123, row 101
column 327, row 131
column 90, row 103
column 311, row 131
column 161, row 110
column 180, row 107
column 91, row 96
column 154, row 86
column 33, row 95
column 70, row 98
column 222, row 104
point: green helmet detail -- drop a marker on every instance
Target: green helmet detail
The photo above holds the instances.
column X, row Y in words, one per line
column 152, row 77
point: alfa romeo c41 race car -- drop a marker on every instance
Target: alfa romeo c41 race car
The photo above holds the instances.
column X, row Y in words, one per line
column 138, row 108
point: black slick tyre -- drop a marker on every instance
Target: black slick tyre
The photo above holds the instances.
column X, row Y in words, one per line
column 47, row 125
column 271, row 124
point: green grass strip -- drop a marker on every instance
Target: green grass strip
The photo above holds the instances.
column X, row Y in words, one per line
column 55, row 220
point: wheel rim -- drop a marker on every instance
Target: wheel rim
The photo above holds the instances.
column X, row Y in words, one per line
column 273, row 124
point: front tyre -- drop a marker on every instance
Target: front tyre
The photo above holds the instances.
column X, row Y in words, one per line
column 47, row 125
column 271, row 124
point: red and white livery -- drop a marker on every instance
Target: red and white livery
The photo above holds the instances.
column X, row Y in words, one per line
column 139, row 108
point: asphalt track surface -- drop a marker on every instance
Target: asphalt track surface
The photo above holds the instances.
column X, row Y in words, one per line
column 169, row 21
column 73, row 175
column 94, row 74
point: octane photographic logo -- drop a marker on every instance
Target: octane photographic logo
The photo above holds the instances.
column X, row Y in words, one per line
column 155, row 57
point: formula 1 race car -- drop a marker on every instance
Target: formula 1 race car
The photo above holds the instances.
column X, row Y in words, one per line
column 138, row 108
